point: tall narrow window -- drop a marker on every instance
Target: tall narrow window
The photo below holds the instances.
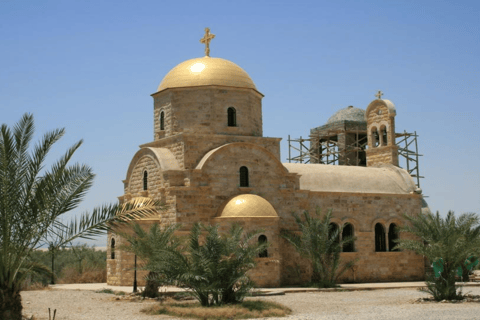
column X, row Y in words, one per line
column 375, row 138
column 380, row 245
column 347, row 233
column 112, row 249
column 333, row 231
column 392, row 236
column 263, row 240
column 244, row 177
column 384, row 136
column 145, row 180
column 232, row 117
column 162, row 120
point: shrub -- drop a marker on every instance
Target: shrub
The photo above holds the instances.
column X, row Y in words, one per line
column 321, row 244
column 447, row 243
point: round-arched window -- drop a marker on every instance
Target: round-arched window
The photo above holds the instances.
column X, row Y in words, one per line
column 392, row 236
column 162, row 120
column 262, row 239
column 145, row 180
column 380, row 245
column 232, row 117
column 347, row 232
column 112, row 248
column 244, row 177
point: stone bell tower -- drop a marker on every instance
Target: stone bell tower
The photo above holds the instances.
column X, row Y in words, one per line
column 380, row 117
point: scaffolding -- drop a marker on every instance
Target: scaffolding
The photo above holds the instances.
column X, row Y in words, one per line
column 326, row 150
column 405, row 142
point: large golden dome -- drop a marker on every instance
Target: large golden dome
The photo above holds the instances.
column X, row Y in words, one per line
column 206, row 71
column 247, row 206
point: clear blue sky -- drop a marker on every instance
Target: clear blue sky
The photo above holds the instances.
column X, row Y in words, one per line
column 90, row 66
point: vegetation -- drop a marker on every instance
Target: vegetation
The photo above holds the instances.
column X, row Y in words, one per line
column 319, row 241
column 77, row 264
column 447, row 243
column 154, row 247
column 214, row 270
column 244, row 310
column 32, row 201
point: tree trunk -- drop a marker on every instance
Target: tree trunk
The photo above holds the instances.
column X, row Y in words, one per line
column 10, row 303
column 151, row 287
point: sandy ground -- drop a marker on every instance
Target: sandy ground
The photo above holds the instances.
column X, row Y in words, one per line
column 374, row 304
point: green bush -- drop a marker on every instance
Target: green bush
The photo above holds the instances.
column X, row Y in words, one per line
column 77, row 264
column 214, row 270
column 446, row 242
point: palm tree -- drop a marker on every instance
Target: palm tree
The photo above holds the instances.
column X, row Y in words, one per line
column 154, row 248
column 216, row 271
column 213, row 266
column 447, row 244
column 32, row 201
column 319, row 241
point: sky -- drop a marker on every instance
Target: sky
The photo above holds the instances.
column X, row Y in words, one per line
column 91, row 66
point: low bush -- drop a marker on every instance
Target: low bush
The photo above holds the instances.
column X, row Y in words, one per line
column 246, row 310
column 71, row 274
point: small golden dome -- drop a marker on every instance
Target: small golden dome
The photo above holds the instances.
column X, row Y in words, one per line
column 206, row 71
column 248, row 206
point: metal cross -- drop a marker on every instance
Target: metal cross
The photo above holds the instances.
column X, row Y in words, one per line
column 379, row 94
column 206, row 40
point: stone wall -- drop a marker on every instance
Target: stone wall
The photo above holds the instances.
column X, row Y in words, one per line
column 204, row 110
column 189, row 149
column 380, row 155
column 120, row 270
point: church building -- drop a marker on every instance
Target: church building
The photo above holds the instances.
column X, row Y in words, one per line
column 209, row 163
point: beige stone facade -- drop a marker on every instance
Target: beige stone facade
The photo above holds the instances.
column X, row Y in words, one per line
column 209, row 150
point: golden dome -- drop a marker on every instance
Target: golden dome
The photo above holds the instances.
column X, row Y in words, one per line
column 206, row 71
column 248, row 206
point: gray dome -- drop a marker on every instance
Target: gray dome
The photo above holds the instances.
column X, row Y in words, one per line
column 349, row 114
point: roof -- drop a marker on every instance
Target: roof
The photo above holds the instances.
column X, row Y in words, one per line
column 348, row 114
column 330, row 178
column 206, row 71
column 247, row 206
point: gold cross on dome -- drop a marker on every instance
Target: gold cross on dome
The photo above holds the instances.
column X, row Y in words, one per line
column 379, row 95
column 206, row 40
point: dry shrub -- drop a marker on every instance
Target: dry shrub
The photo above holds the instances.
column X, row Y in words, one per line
column 244, row 310
column 88, row 275
column 31, row 286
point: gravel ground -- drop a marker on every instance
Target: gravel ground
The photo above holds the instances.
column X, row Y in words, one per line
column 374, row 304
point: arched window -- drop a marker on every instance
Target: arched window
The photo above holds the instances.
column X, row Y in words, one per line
column 263, row 240
column 162, row 120
column 375, row 137
column 380, row 245
column 232, row 117
column 145, row 180
column 112, row 249
column 383, row 132
column 348, row 232
column 332, row 230
column 392, row 236
column 244, row 177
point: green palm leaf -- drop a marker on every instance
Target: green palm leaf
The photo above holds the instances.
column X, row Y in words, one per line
column 33, row 199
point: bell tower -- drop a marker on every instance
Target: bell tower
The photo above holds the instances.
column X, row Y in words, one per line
column 380, row 117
